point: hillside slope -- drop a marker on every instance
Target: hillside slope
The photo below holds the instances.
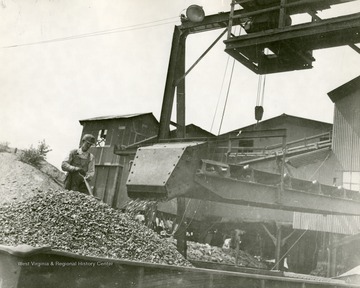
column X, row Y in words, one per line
column 19, row 181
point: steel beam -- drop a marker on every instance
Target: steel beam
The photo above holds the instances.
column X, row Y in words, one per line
column 169, row 93
column 211, row 22
column 293, row 45
column 292, row 7
column 239, row 192
column 180, row 93
column 301, row 31
column 221, row 20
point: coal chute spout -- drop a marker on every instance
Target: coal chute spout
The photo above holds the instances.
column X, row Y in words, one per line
column 164, row 171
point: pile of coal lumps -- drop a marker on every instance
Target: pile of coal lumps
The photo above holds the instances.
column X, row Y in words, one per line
column 78, row 223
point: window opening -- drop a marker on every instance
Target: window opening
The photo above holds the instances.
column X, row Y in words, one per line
column 351, row 180
column 101, row 139
column 246, row 145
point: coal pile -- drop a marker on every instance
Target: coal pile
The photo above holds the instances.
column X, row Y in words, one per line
column 205, row 252
column 77, row 223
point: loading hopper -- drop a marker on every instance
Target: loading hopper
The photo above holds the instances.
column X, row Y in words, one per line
column 164, row 171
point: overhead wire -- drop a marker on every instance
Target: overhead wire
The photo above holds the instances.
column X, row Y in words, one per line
column 228, row 91
column 258, row 91
column 261, row 90
column 322, row 163
column 100, row 33
column 227, row 97
column 221, row 89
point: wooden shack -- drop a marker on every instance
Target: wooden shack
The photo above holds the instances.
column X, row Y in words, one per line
column 111, row 169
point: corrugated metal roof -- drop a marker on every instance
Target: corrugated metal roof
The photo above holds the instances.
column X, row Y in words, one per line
column 345, row 89
column 341, row 224
column 125, row 116
column 192, row 128
column 283, row 118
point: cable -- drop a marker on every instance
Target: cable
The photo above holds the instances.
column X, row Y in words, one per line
column 285, row 254
column 193, row 216
column 222, row 85
column 200, row 58
column 227, row 96
column 322, row 163
column 182, row 218
column 258, row 91
column 98, row 33
column 263, row 91
column 228, row 90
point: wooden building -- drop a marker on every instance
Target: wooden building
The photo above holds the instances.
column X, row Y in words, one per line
column 297, row 128
column 308, row 143
column 111, row 169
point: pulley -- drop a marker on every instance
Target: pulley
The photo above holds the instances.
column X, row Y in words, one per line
column 259, row 111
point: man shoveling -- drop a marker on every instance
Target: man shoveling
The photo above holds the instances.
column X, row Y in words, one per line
column 80, row 165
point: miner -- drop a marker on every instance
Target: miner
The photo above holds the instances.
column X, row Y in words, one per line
column 80, row 165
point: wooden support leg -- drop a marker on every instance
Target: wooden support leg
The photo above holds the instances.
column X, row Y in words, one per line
column 278, row 247
column 331, row 271
column 180, row 234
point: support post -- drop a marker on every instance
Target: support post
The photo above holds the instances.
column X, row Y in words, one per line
column 282, row 14
column 232, row 7
column 180, row 91
column 282, row 171
column 278, row 246
column 332, row 257
column 169, row 92
column 180, row 234
column 181, row 133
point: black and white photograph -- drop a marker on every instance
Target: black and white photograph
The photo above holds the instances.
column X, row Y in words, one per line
column 205, row 143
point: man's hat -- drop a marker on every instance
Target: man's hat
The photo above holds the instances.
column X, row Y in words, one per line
column 89, row 139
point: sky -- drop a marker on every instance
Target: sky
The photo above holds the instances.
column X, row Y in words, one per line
column 64, row 61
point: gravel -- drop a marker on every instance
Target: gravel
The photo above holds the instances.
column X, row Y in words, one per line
column 205, row 252
column 78, row 223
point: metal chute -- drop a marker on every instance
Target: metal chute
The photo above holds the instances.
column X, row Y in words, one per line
column 164, row 171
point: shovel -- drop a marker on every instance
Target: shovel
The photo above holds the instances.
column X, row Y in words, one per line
column 89, row 189
column 87, row 185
